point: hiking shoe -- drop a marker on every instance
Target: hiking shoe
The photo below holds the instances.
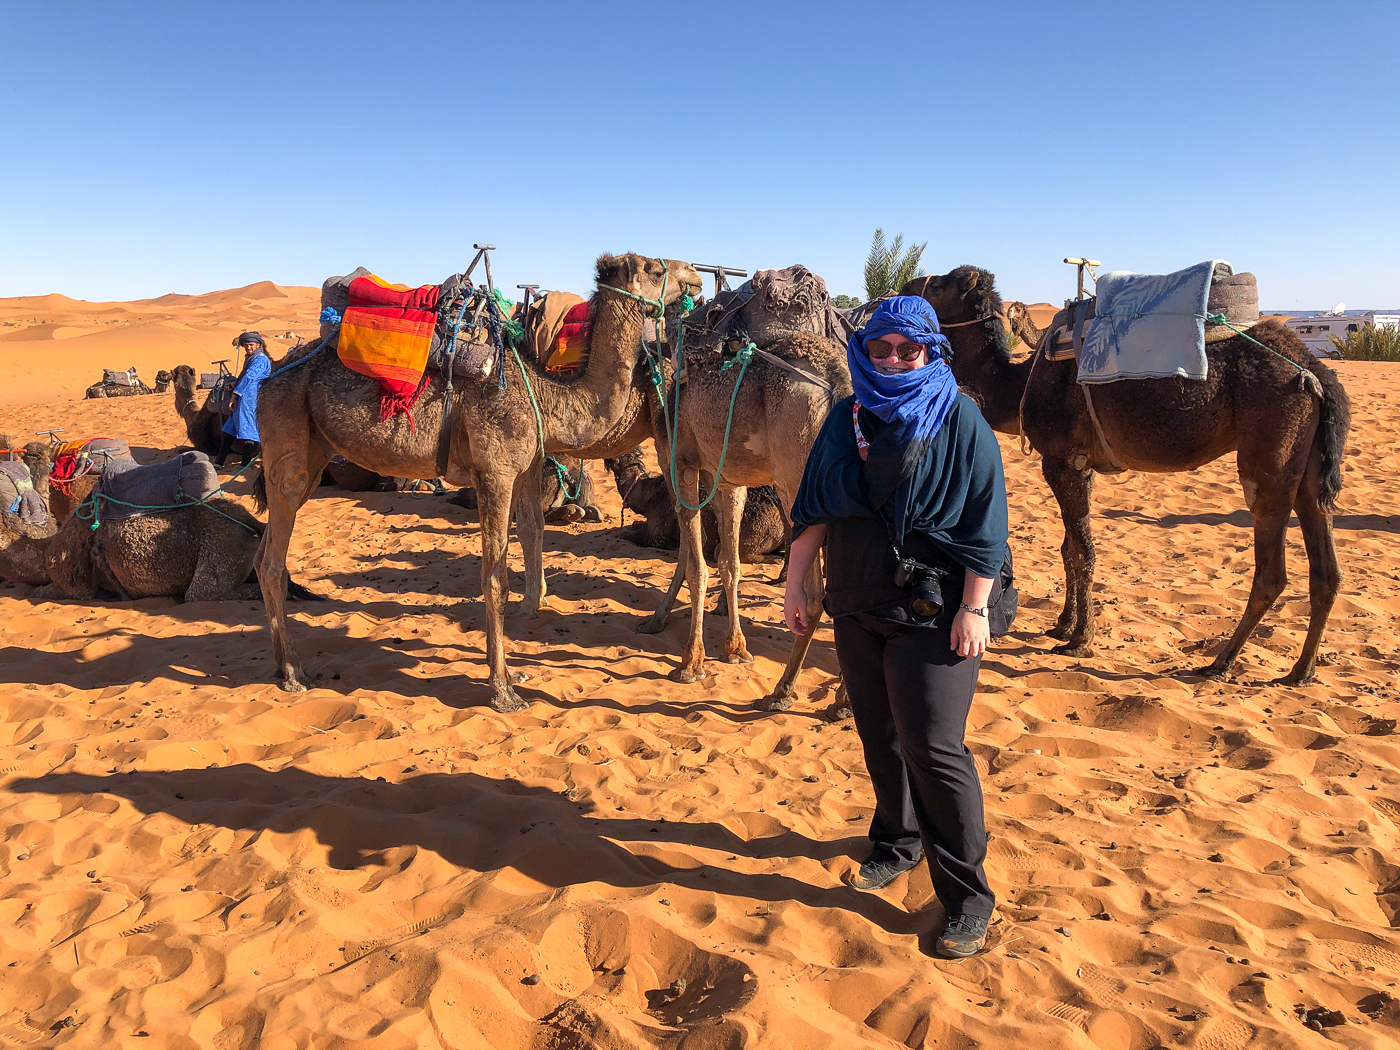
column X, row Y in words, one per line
column 878, row 872
column 963, row 936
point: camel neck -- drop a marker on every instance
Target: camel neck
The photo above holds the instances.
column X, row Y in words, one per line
column 995, row 383
column 583, row 412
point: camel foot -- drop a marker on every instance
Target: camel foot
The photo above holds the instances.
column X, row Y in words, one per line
column 1059, row 632
column 687, row 675
column 741, row 657
column 1211, row 670
column 1073, row 649
column 776, row 701
column 592, row 514
column 295, row 682
column 507, row 701
column 652, row 625
column 839, row 711
column 521, row 611
column 1295, row 677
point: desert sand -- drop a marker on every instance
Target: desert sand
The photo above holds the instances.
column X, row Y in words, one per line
column 192, row 858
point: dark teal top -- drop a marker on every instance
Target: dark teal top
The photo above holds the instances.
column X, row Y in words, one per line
column 953, row 497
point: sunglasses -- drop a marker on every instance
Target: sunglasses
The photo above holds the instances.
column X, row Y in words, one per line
column 879, row 349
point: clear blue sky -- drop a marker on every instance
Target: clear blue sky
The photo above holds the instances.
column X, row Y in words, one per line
column 148, row 148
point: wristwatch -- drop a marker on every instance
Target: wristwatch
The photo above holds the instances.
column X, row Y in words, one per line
column 976, row 612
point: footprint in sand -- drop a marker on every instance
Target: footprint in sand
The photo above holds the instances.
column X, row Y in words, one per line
column 1224, row 1033
column 1372, row 954
column 1064, row 1011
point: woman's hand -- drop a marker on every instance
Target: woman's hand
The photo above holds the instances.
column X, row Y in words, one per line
column 971, row 634
column 802, row 553
column 795, row 605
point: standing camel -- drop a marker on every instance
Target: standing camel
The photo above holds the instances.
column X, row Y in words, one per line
column 776, row 417
column 204, row 423
column 1257, row 402
column 309, row 412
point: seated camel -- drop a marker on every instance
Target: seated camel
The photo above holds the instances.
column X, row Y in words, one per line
column 134, row 386
column 565, row 497
column 198, row 552
column 762, row 531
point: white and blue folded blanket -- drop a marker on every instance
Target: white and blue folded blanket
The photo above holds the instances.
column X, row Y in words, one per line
column 1148, row 326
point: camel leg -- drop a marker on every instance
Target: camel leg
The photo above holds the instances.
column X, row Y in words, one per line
column 1324, row 571
column 290, row 479
column 783, row 694
column 656, row 622
column 493, row 503
column 697, row 578
column 529, row 529
column 1271, row 508
column 731, row 510
column 1073, row 491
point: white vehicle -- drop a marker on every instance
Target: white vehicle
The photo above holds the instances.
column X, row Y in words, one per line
column 1316, row 331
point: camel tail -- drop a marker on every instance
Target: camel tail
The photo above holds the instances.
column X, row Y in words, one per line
column 1332, row 430
column 297, row 592
column 260, row 491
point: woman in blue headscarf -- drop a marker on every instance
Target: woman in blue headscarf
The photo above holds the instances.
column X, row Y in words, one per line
column 904, row 486
column 242, row 425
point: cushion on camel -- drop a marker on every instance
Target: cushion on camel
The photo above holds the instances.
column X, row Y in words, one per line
column 188, row 478
column 17, row 495
column 1153, row 326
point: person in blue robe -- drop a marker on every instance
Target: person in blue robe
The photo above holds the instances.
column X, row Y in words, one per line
column 904, row 487
column 241, row 427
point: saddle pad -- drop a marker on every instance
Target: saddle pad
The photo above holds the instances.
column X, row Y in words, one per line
column 1148, row 326
column 17, row 495
column 188, row 478
column 75, row 459
column 570, row 350
column 115, row 378
column 386, row 334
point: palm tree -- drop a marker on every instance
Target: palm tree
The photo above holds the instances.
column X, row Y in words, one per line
column 889, row 267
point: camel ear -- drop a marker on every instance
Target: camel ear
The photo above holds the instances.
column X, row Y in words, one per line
column 969, row 281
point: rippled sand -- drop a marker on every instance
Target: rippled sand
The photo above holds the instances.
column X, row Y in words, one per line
column 192, row 858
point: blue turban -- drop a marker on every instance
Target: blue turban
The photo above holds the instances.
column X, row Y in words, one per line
column 914, row 403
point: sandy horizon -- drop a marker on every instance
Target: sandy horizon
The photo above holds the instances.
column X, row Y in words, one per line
column 193, row 858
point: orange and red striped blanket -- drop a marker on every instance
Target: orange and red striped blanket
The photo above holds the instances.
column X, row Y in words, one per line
column 386, row 333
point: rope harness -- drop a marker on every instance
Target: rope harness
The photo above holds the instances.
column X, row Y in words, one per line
column 90, row 508
column 656, row 365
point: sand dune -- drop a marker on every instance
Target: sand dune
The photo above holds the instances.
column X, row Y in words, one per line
column 149, row 333
column 193, row 858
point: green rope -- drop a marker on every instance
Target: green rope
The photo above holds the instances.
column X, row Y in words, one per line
column 1307, row 380
column 742, row 359
column 563, row 474
column 530, row 389
column 94, row 499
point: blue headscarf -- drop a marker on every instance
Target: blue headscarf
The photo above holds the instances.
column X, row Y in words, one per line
column 913, row 403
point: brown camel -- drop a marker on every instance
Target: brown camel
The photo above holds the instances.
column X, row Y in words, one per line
column 776, row 418
column 204, row 423
column 105, row 389
column 198, row 553
column 318, row 406
column 762, row 530
column 1259, row 403
column 563, row 501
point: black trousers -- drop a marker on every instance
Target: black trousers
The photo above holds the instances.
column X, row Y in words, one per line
column 246, row 450
column 910, row 694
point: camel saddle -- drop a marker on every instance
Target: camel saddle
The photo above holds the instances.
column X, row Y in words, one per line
column 135, row 491
column 111, row 377
column 1152, row 325
column 76, row 459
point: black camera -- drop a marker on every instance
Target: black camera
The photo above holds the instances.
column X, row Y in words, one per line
column 927, row 597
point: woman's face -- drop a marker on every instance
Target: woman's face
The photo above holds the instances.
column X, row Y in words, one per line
column 894, row 365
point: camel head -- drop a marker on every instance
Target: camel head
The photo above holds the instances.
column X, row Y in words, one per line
column 963, row 294
column 163, row 376
column 664, row 279
column 183, row 376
